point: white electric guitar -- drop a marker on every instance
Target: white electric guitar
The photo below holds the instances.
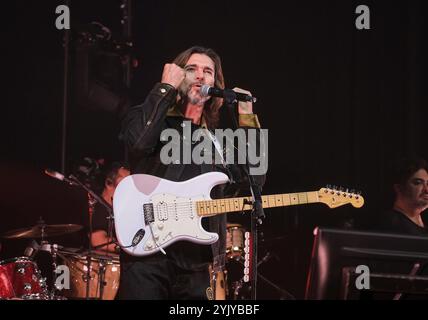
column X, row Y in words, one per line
column 150, row 213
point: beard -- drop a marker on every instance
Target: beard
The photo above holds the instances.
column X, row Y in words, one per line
column 423, row 202
column 191, row 94
column 420, row 202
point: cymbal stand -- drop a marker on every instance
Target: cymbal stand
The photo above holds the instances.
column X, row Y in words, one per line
column 91, row 205
column 101, row 277
column 54, row 254
column 93, row 198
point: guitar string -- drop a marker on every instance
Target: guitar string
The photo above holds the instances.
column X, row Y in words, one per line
column 267, row 199
column 225, row 205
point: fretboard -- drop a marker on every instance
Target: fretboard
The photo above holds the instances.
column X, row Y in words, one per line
column 219, row 206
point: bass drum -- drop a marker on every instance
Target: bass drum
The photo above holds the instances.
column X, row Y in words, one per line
column 103, row 270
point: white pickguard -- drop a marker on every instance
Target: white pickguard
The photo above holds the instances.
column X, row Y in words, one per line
column 174, row 211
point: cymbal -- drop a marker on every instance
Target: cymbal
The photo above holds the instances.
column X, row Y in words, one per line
column 42, row 231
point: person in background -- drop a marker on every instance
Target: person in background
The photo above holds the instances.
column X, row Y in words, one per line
column 410, row 187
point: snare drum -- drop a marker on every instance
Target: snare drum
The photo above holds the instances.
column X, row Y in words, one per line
column 78, row 266
column 235, row 241
column 21, row 278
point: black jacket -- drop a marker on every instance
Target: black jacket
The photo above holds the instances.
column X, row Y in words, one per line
column 141, row 131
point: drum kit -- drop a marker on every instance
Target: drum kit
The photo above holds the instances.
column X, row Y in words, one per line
column 22, row 278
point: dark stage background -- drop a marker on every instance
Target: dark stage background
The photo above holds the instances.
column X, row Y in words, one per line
column 339, row 103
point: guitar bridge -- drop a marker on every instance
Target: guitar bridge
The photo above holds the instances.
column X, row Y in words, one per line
column 149, row 215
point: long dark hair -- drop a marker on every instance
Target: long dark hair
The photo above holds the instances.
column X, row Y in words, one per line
column 212, row 106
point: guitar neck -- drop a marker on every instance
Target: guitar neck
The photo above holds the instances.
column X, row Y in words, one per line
column 219, row 206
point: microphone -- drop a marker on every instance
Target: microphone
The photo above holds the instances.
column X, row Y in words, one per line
column 206, row 91
column 59, row 176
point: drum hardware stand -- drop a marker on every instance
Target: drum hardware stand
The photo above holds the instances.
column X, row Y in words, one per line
column 93, row 198
column 101, row 277
column 91, row 208
column 54, row 254
column 53, row 250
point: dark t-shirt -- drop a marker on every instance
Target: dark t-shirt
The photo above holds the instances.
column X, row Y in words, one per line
column 397, row 222
column 100, row 220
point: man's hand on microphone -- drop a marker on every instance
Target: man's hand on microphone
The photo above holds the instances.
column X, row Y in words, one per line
column 173, row 75
column 244, row 107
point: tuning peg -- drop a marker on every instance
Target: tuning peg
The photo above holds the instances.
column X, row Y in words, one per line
column 352, row 191
column 334, row 187
column 328, row 186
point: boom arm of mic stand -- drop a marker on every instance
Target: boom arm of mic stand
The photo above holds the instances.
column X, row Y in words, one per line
column 92, row 193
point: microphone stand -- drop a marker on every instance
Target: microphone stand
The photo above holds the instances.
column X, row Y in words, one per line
column 285, row 295
column 93, row 198
column 91, row 208
column 257, row 214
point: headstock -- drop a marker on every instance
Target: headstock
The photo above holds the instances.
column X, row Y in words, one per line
column 335, row 197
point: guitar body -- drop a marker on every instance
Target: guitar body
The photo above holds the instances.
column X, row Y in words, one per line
column 163, row 211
